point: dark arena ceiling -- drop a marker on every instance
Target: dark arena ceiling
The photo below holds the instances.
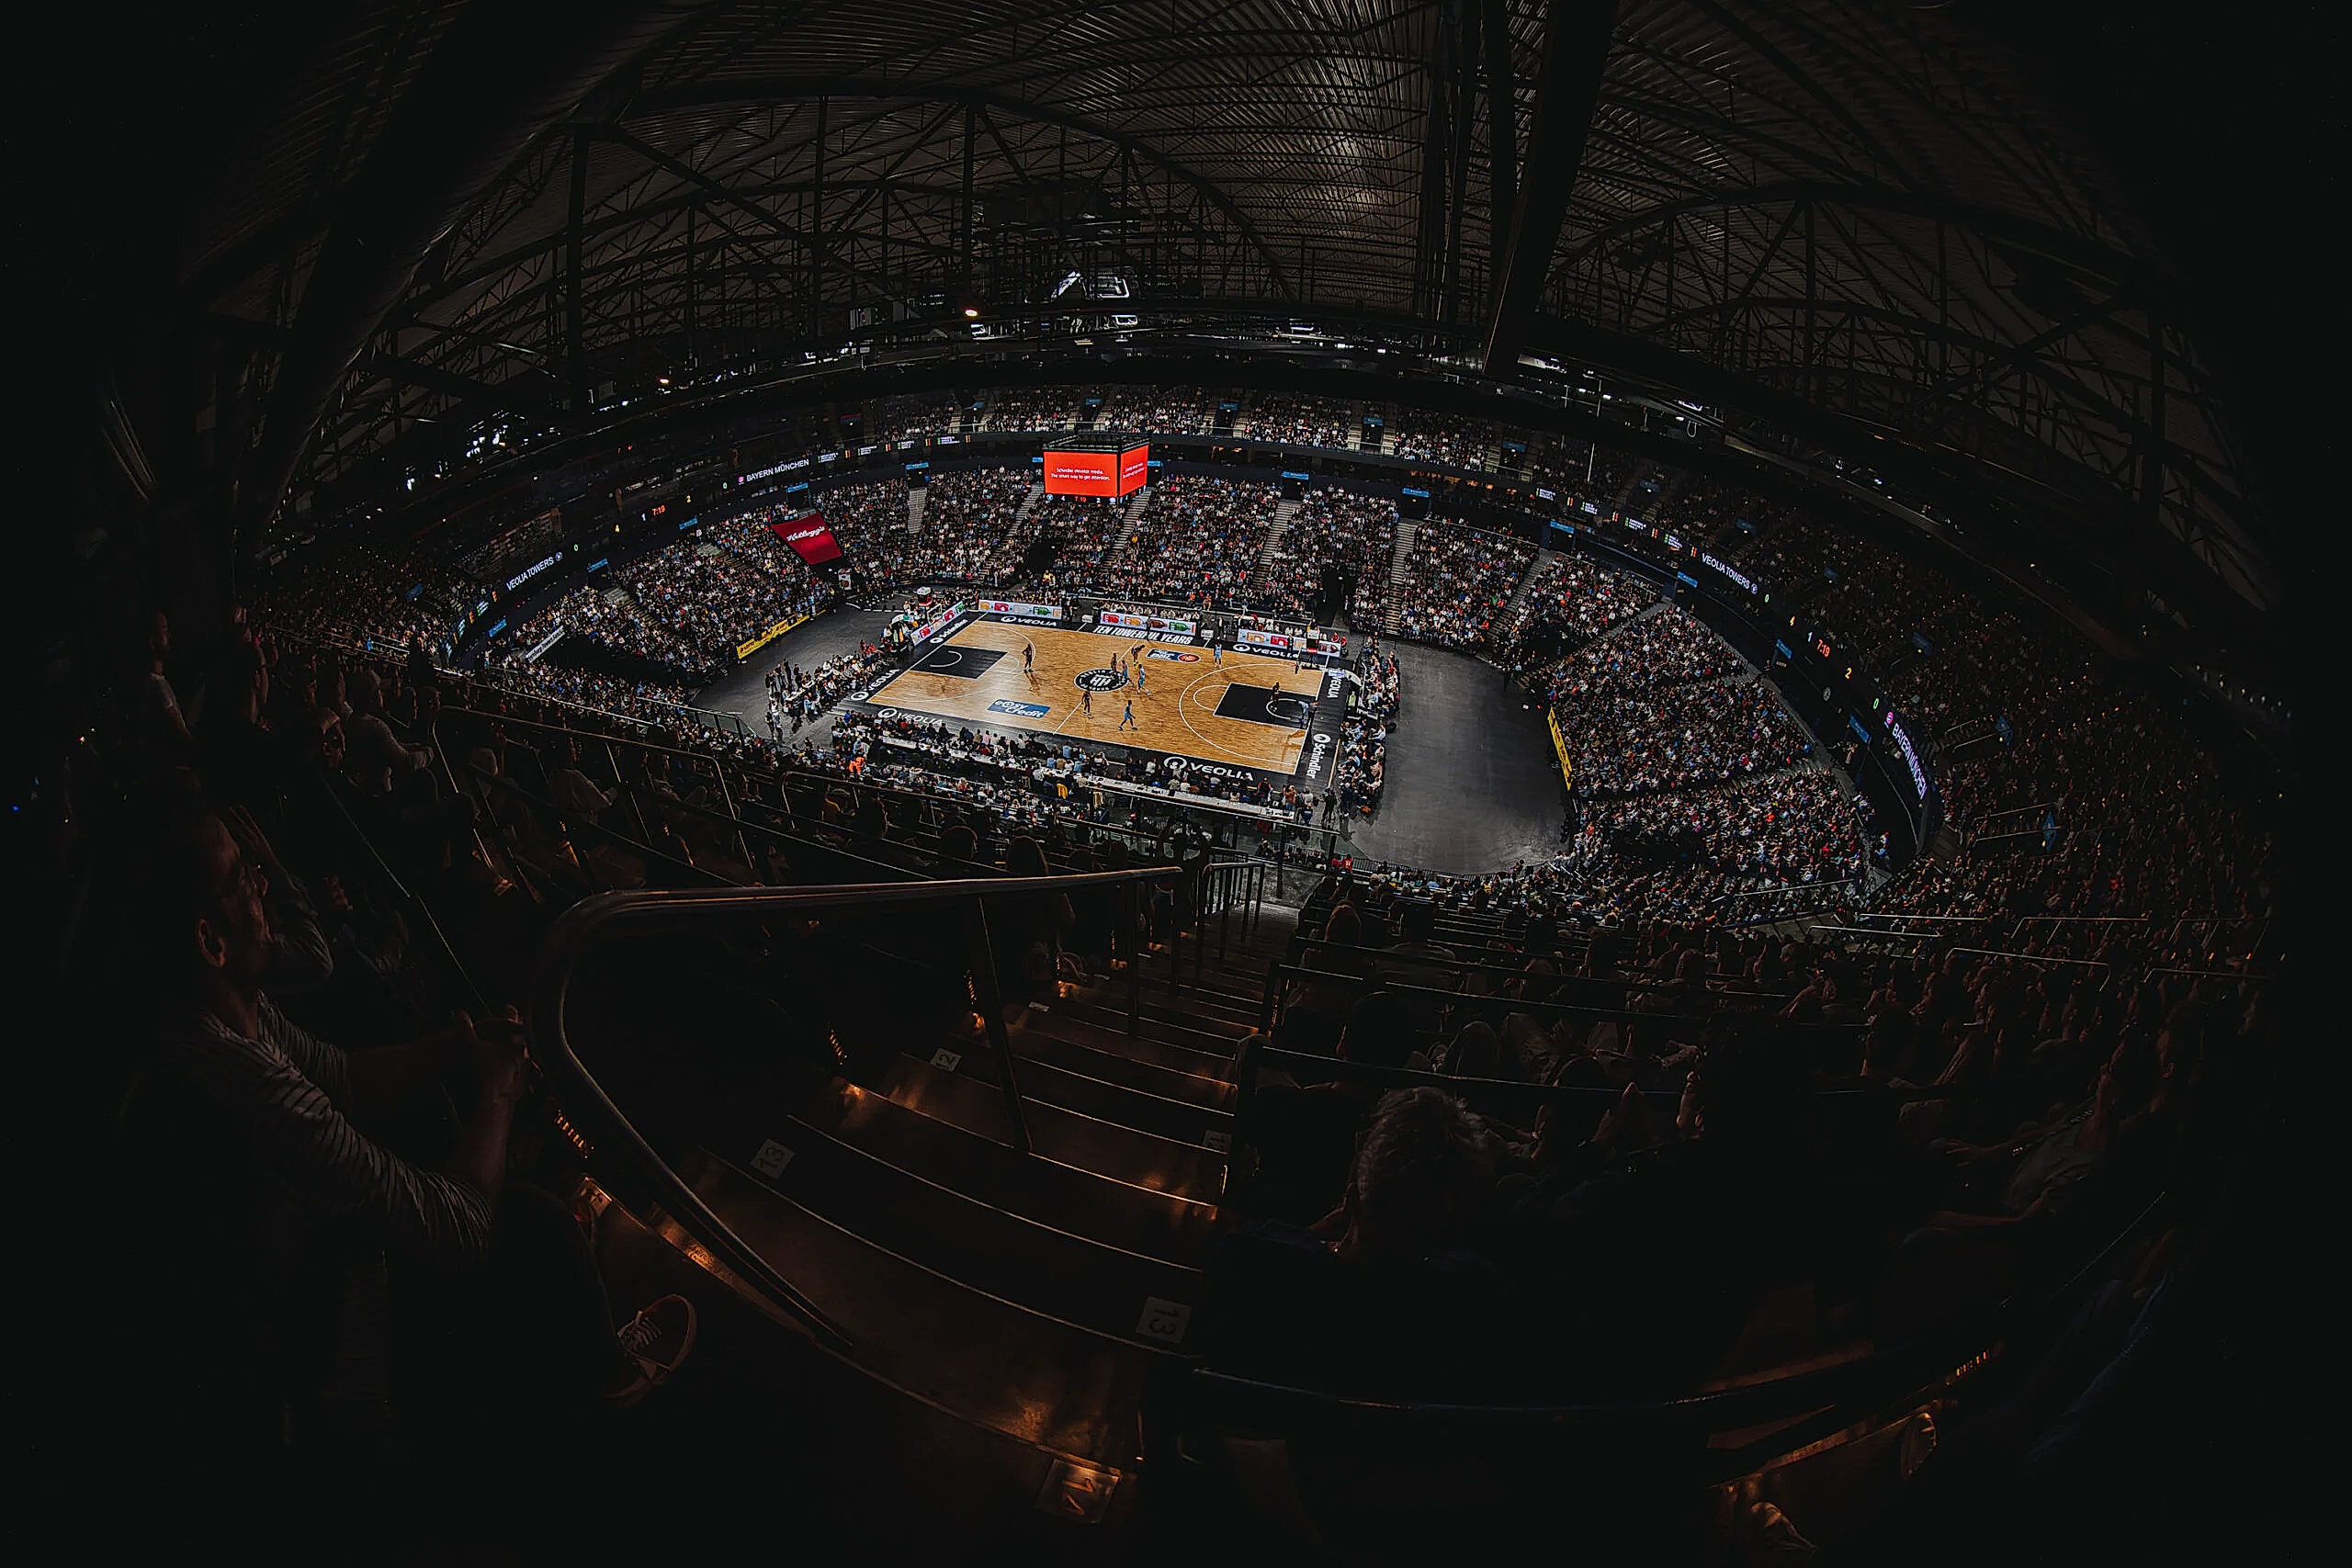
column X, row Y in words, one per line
column 1841, row 224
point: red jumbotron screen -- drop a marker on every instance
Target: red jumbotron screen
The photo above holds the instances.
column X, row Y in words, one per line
column 810, row 539
column 1097, row 473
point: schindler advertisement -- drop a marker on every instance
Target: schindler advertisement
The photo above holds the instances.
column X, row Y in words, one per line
column 1106, row 473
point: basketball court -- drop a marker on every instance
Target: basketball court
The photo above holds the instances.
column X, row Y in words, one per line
column 1250, row 711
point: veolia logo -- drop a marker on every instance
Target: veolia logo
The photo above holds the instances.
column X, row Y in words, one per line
column 1217, row 770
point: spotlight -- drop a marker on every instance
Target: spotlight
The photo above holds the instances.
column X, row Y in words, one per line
column 972, row 311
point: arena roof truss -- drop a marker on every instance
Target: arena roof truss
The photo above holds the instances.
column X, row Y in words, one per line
column 1850, row 211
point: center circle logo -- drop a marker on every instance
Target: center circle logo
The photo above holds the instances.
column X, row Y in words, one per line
column 1100, row 680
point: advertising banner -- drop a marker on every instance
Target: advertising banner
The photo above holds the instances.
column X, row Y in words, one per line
column 1015, row 607
column 1150, row 625
column 938, row 622
column 1082, row 473
column 1911, row 763
column 745, row 649
column 1560, row 747
column 810, row 539
column 1106, row 474
column 1729, row 571
column 1287, row 642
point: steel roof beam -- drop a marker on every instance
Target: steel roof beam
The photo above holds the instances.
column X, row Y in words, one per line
column 1576, row 35
column 777, row 89
column 506, row 70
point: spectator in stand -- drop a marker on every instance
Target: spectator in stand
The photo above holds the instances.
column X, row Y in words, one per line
column 1152, row 411
column 258, row 1126
column 1297, row 422
column 1197, row 542
column 971, row 527
column 1457, row 578
column 1571, row 600
column 1339, row 528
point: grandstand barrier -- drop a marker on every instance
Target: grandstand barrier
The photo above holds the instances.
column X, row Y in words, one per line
column 1248, row 1436
column 791, row 624
column 1443, row 1000
column 604, row 919
column 1560, row 747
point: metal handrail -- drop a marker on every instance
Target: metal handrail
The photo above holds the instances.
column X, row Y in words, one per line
column 601, row 918
column 570, row 822
column 1786, row 888
column 735, row 820
column 1834, row 1390
column 401, row 891
column 1874, row 933
column 1516, row 1004
column 1640, row 985
column 1900, row 915
column 1139, row 840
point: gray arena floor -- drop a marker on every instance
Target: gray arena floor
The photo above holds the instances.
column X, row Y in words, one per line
column 1472, row 784
column 743, row 692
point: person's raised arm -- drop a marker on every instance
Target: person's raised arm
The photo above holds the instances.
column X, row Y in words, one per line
column 387, row 1078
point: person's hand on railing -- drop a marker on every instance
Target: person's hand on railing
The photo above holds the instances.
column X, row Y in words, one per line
column 498, row 1049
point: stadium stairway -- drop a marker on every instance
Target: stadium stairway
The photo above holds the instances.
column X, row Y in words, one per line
column 1275, row 531
column 916, row 496
column 1131, row 524
column 1002, row 1310
column 1509, row 614
column 1400, row 561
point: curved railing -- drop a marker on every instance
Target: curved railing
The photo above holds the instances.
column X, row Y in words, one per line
column 605, row 918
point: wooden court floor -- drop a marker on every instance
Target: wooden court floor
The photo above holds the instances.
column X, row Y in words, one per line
column 1175, row 704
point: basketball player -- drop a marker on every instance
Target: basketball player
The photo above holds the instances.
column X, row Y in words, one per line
column 1216, row 652
column 1086, row 700
column 1029, row 661
column 1143, row 677
column 1128, row 722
